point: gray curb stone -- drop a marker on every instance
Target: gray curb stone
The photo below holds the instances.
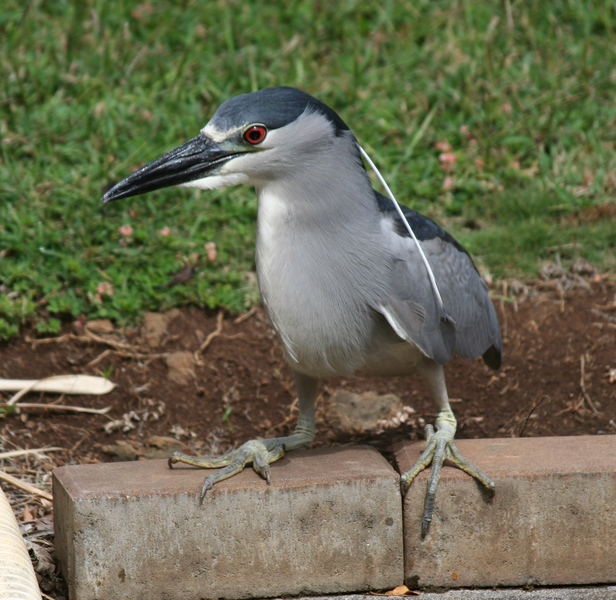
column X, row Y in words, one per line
column 551, row 522
column 568, row 593
column 331, row 522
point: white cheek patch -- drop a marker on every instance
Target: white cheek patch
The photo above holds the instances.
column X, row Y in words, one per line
column 217, row 181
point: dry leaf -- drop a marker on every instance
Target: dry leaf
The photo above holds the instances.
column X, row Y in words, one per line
column 27, row 516
column 400, row 590
column 43, row 562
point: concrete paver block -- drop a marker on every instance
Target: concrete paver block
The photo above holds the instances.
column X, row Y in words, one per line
column 552, row 521
column 331, row 522
column 559, row 593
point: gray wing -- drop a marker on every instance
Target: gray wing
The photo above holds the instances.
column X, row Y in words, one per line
column 468, row 325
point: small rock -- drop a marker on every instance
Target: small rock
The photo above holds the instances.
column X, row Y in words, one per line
column 160, row 446
column 181, row 367
column 100, row 326
column 153, row 328
column 361, row 412
column 121, row 451
column 163, row 442
column 172, row 314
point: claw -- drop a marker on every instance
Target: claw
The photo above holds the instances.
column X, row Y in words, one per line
column 257, row 452
column 261, row 453
column 261, row 467
column 425, row 525
column 207, row 485
column 440, row 446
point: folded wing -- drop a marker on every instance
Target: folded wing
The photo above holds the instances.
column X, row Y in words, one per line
column 466, row 324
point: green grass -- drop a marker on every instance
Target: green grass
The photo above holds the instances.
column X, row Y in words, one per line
column 91, row 90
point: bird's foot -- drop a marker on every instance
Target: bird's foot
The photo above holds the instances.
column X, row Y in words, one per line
column 261, row 453
column 440, row 446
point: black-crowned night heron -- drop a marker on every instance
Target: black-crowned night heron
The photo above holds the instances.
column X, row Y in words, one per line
column 342, row 281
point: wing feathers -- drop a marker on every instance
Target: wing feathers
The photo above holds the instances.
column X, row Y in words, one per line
column 407, row 318
column 468, row 327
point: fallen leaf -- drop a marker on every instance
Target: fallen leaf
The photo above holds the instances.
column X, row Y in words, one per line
column 43, row 562
column 400, row 590
column 27, row 516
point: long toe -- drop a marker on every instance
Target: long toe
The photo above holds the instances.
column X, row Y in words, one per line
column 237, row 466
column 440, row 446
column 254, row 452
column 454, row 456
column 423, row 462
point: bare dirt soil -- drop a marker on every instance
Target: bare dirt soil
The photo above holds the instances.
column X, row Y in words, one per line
column 558, row 378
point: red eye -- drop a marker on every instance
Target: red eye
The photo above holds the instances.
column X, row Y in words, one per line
column 255, row 134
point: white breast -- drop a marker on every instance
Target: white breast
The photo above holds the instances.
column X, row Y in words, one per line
column 320, row 313
column 274, row 214
column 272, row 257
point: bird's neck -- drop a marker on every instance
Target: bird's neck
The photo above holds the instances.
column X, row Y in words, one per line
column 331, row 191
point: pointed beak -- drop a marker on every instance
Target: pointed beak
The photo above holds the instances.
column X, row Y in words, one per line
column 196, row 159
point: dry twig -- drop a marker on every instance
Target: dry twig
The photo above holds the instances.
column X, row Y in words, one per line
column 598, row 313
column 77, row 409
column 35, row 343
column 90, row 336
column 289, row 418
column 522, row 417
column 532, row 410
column 103, row 340
column 214, row 334
column 119, row 348
column 122, row 354
column 58, row 384
column 246, row 316
column 21, row 393
column 99, row 357
column 14, row 453
column 583, row 386
column 77, row 384
column 25, row 486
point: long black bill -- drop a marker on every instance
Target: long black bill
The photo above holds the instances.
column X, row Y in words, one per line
column 195, row 159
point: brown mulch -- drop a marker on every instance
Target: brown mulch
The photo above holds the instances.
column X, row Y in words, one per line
column 558, row 378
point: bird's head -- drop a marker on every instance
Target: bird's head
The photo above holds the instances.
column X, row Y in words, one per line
column 251, row 139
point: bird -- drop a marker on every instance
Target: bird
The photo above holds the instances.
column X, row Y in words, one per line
column 182, row 276
column 342, row 280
